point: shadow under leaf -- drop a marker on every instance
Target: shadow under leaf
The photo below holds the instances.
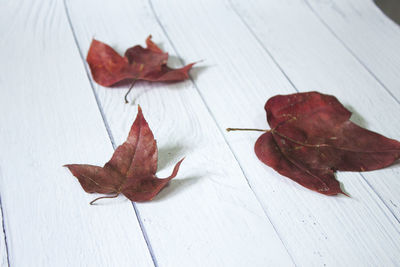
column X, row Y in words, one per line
column 356, row 117
column 175, row 186
column 168, row 153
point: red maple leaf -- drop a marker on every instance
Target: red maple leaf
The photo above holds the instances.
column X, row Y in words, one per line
column 139, row 63
column 311, row 137
column 131, row 170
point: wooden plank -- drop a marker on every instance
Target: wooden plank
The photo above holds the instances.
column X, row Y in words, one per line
column 208, row 216
column 239, row 78
column 49, row 117
column 315, row 60
column 368, row 34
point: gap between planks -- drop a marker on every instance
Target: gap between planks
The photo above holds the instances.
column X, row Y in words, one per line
column 6, row 257
column 110, row 135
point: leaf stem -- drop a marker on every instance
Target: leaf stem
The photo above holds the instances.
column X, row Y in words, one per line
column 130, row 89
column 112, row 196
column 246, row 129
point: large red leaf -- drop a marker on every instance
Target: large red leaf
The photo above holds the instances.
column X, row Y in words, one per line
column 311, row 137
column 139, row 63
column 131, row 170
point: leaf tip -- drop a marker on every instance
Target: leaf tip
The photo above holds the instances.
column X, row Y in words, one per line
column 175, row 170
column 198, row 61
column 344, row 193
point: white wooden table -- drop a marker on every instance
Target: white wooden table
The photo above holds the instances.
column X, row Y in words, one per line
column 225, row 208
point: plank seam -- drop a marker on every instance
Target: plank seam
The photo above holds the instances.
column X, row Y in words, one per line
column 247, row 26
column 108, row 129
column 269, row 53
column 221, row 131
column 4, row 232
column 88, row 76
column 145, row 236
column 384, row 203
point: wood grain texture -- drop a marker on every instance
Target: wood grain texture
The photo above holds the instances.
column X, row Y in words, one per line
column 368, row 34
column 49, row 117
column 239, row 78
column 208, row 215
column 314, row 59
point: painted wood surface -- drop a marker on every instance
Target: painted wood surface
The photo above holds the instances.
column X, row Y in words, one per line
column 49, row 117
column 368, row 34
column 241, row 76
column 314, row 59
column 209, row 214
column 225, row 208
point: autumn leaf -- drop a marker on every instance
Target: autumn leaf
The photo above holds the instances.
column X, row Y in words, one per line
column 139, row 63
column 311, row 138
column 131, row 170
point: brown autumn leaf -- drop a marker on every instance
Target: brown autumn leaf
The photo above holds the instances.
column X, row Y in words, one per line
column 311, row 138
column 131, row 170
column 138, row 63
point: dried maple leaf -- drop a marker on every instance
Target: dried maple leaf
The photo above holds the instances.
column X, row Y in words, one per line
column 311, row 137
column 139, row 63
column 131, row 170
